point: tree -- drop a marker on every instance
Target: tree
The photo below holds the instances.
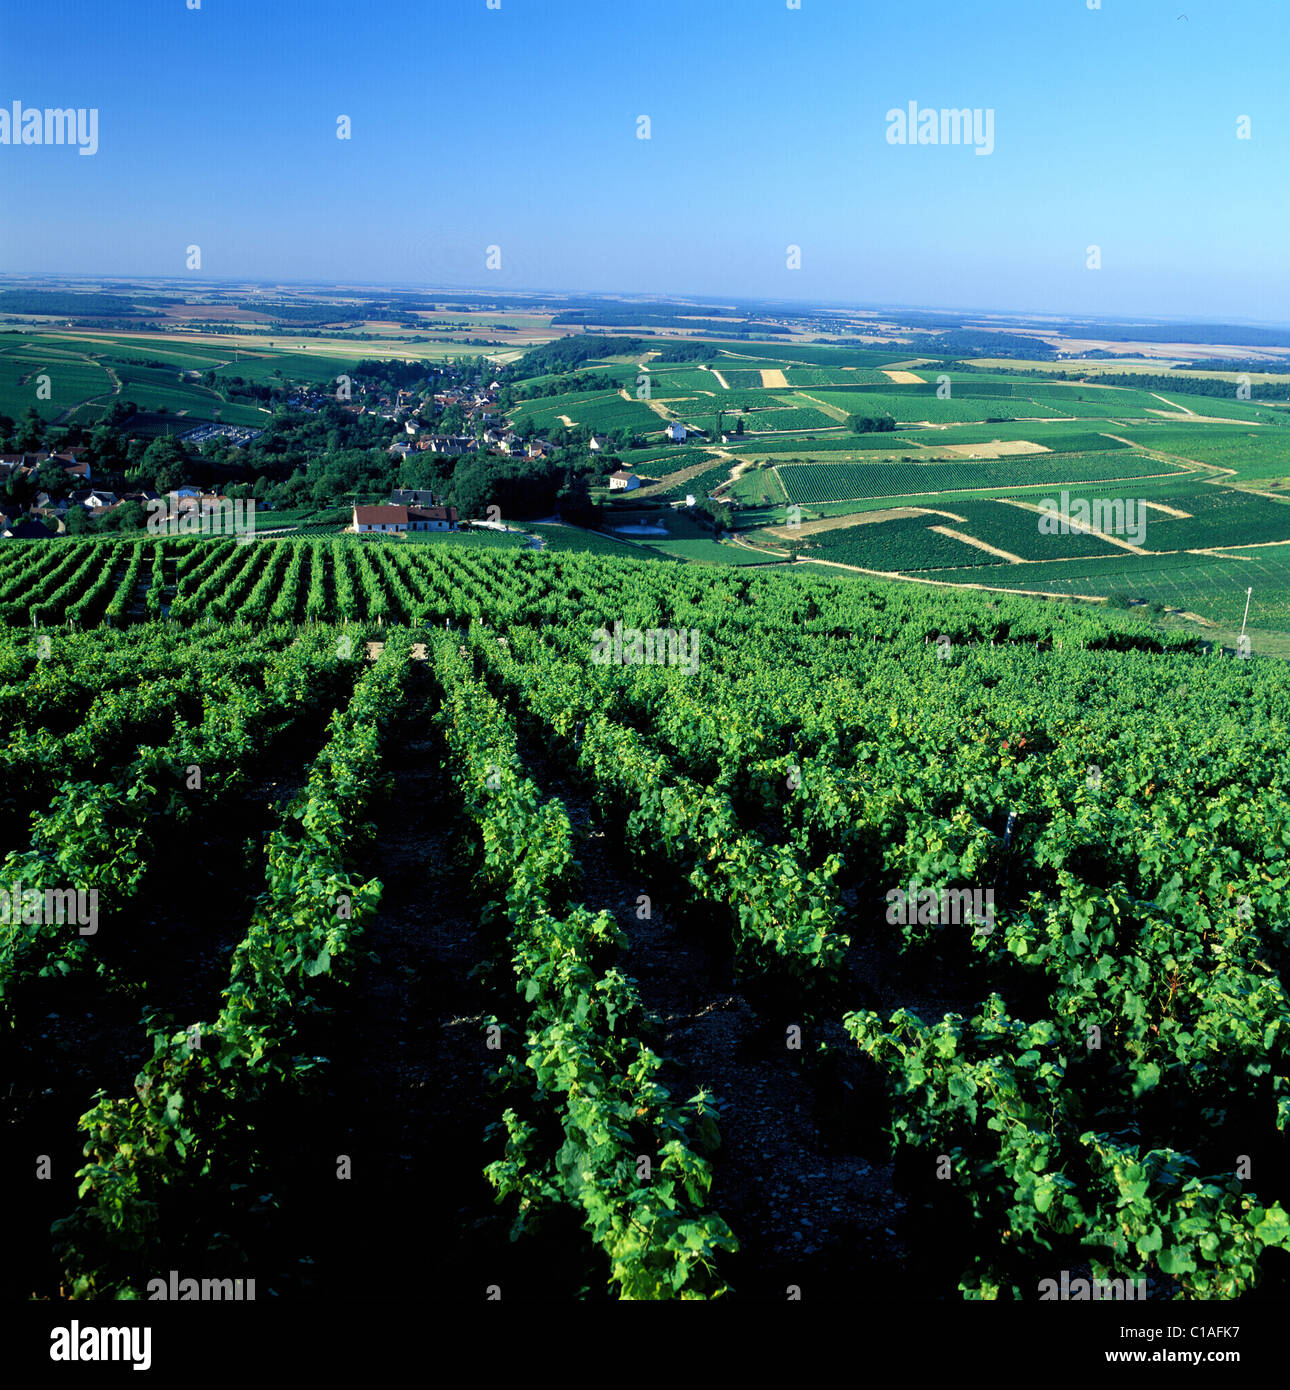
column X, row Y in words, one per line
column 30, row 432
column 129, row 516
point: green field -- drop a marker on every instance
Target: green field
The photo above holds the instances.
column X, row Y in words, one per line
column 598, row 410
column 1213, row 586
column 906, row 543
column 1261, row 453
column 711, row 552
column 824, row 482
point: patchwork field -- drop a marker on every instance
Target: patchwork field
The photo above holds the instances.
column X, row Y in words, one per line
column 826, row 482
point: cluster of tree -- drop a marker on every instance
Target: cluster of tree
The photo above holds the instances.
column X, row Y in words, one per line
column 1170, row 381
column 626, row 318
column 241, row 389
column 67, row 304
column 870, row 424
column 557, row 386
column 304, row 313
column 566, row 353
column 390, row 376
column 719, row 514
column 1274, row 366
column 976, row 342
column 1191, row 386
column 686, row 352
column 1219, row 334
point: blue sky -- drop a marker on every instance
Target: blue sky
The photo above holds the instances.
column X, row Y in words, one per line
column 517, row 127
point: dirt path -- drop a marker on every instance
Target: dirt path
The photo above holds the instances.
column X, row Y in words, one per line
column 980, row 545
column 996, row 449
column 725, row 385
column 953, row 492
column 683, row 475
column 1193, row 419
column 947, row 584
column 834, row 412
column 837, row 523
column 101, row 396
column 1220, row 549
column 1080, row 529
column 409, row 1097
column 760, row 549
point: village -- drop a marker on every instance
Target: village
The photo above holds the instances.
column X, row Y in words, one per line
column 453, row 411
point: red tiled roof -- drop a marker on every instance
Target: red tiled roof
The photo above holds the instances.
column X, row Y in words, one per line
column 380, row 516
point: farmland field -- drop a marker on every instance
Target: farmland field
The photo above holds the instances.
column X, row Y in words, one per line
column 907, row 543
column 377, row 726
column 822, row 482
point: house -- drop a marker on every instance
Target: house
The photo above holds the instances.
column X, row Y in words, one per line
column 623, row 481
column 401, row 448
column 676, row 432
column 432, row 518
column 380, row 519
column 402, row 518
column 540, row 448
column 28, row 531
column 411, row 497
column 598, row 443
column 94, row 500
column 451, row 444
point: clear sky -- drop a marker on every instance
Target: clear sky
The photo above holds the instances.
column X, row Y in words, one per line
column 517, row 127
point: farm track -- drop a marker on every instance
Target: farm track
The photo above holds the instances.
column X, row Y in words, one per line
column 407, row 1095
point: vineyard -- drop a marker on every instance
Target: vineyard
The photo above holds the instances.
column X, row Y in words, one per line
column 397, row 918
column 828, row 482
